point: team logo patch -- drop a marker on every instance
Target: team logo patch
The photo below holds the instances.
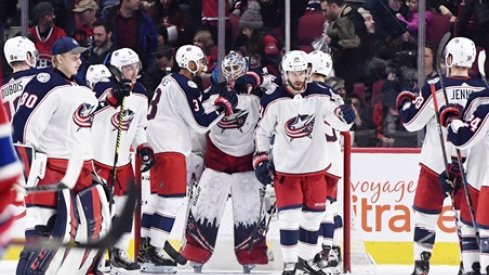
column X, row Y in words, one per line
column 300, row 126
column 83, row 115
column 125, row 123
column 43, row 77
column 234, row 121
column 192, row 84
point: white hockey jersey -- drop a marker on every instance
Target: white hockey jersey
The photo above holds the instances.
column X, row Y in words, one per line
column 233, row 134
column 176, row 110
column 106, row 123
column 298, row 124
column 55, row 116
column 13, row 88
column 472, row 134
column 421, row 113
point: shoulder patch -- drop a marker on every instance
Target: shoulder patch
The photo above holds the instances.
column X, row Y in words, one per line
column 43, row 77
column 192, row 84
column 433, row 80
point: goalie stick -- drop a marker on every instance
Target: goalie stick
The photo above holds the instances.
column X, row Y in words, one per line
column 115, row 232
column 441, row 47
column 68, row 181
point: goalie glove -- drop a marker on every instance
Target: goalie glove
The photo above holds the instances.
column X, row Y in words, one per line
column 449, row 112
column 403, row 98
column 264, row 170
column 145, row 152
column 226, row 102
column 119, row 91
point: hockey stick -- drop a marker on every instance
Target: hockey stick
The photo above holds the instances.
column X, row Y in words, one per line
column 441, row 47
column 68, row 181
column 109, row 239
column 481, row 61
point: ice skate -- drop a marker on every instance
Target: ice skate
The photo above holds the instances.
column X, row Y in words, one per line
column 314, row 266
column 247, row 268
column 422, row 267
column 289, row 269
column 196, row 266
column 154, row 260
column 121, row 264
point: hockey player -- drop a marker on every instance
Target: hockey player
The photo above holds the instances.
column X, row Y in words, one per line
column 175, row 110
column 416, row 112
column 21, row 55
column 229, row 170
column 322, row 66
column 10, row 171
column 295, row 114
column 54, row 116
column 121, row 123
column 469, row 129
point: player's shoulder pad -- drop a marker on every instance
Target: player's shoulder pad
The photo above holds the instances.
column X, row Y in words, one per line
column 29, row 72
column 102, row 86
column 44, row 82
column 187, row 85
column 476, row 82
column 214, row 89
column 318, row 88
column 280, row 92
column 139, row 89
column 474, row 96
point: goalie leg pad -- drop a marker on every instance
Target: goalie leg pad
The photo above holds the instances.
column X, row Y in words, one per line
column 43, row 261
column 245, row 191
column 206, row 210
column 93, row 209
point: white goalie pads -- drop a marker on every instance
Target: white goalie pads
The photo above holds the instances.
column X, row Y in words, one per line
column 34, row 164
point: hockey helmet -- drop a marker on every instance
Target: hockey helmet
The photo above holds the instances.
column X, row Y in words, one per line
column 462, row 51
column 124, row 57
column 294, row 61
column 190, row 53
column 97, row 73
column 321, row 62
column 17, row 49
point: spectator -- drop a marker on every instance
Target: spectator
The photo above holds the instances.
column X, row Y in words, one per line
column 349, row 42
column 412, row 18
column 162, row 67
column 310, row 26
column 429, row 61
column 44, row 33
column 261, row 50
column 133, row 28
column 102, row 38
column 387, row 26
column 7, row 8
column 86, row 13
column 168, row 17
column 203, row 40
column 162, row 36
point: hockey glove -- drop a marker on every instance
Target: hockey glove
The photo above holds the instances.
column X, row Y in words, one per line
column 145, row 152
column 403, row 98
column 226, row 102
column 451, row 182
column 247, row 82
column 122, row 89
column 264, row 170
column 450, row 112
column 348, row 113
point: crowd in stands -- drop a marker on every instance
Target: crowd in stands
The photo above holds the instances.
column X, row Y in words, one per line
column 373, row 43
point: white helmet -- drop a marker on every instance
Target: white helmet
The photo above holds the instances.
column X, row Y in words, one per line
column 294, row 61
column 17, row 49
column 462, row 50
column 322, row 63
column 190, row 53
column 233, row 66
column 97, row 73
column 124, row 57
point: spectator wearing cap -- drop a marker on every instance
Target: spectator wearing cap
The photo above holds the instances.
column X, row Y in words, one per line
column 44, row 33
column 86, row 15
column 261, row 49
column 133, row 28
column 162, row 67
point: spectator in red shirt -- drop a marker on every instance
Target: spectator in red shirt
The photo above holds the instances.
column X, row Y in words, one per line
column 86, row 13
column 44, row 33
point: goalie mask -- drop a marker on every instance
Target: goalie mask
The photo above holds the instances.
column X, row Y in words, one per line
column 19, row 48
column 295, row 70
column 190, row 53
column 233, row 66
column 460, row 51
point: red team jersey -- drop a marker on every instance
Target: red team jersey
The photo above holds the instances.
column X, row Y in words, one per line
column 44, row 45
